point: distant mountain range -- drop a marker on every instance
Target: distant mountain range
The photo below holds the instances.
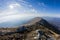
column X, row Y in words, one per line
column 53, row 20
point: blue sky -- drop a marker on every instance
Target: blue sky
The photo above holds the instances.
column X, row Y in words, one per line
column 28, row 8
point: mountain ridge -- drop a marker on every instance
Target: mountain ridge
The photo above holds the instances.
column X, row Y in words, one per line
column 43, row 22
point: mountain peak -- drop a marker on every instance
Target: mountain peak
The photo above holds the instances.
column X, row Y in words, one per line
column 40, row 21
column 33, row 21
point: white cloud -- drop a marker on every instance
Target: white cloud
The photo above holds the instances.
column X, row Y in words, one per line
column 12, row 9
column 18, row 16
column 22, row 16
column 15, row 5
column 14, row 17
column 8, row 12
column 13, row 13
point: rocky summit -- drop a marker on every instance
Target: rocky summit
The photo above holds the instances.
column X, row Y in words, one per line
column 35, row 29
